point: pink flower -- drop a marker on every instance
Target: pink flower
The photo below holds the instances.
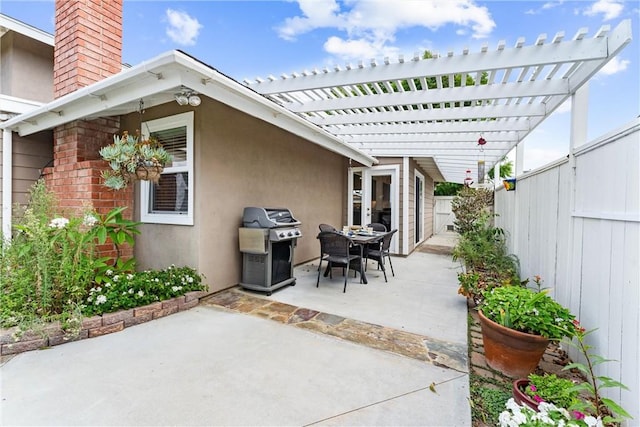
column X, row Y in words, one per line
column 578, row 415
column 538, row 399
column 533, row 388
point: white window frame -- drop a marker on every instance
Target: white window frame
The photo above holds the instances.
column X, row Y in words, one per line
column 177, row 218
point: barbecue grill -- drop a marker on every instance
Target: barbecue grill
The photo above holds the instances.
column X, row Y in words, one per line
column 267, row 240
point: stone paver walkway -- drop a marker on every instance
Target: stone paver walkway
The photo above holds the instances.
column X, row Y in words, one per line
column 436, row 352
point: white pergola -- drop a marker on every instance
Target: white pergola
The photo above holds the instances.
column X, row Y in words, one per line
column 435, row 110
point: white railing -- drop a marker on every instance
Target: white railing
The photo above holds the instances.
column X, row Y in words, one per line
column 588, row 255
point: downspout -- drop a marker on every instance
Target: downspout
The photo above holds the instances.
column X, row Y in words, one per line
column 7, row 190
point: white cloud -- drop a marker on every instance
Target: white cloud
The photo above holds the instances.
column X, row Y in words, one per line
column 182, row 28
column 371, row 25
column 616, row 65
column 610, row 9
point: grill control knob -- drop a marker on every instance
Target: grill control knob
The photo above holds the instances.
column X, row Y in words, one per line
column 290, row 234
column 297, row 233
column 281, row 234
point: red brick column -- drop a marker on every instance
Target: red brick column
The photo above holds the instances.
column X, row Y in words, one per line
column 88, row 48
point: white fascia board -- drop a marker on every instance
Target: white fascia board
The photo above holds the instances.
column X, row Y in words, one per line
column 11, row 104
column 164, row 73
column 217, row 86
column 27, row 30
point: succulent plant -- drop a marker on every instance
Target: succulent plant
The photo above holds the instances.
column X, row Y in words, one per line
column 127, row 154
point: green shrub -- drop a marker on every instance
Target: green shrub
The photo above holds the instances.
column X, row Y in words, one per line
column 550, row 388
column 124, row 291
column 525, row 310
column 468, row 206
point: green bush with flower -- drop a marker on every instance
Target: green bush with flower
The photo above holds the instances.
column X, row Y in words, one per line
column 548, row 414
column 51, row 270
column 528, row 311
column 552, row 389
column 124, row 291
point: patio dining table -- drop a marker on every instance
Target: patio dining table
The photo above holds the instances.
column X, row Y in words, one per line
column 361, row 240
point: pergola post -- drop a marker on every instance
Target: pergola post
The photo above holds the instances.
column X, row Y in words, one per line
column 577, row 137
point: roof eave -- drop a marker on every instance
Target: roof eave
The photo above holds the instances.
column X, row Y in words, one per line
column 165, row 73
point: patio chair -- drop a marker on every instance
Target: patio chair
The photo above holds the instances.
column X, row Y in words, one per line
column 377, row 226
column 334, row 248
column 381, row 252
column 327, row 227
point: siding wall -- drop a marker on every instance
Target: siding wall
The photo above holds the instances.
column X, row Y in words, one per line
column 588, row 255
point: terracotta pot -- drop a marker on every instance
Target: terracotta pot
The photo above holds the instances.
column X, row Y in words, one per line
column 511, row 352
column 520, row 396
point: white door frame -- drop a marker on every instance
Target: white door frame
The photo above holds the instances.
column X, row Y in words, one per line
column 367, row 173
column 415, row 218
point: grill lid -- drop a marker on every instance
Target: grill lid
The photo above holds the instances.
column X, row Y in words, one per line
column 255, row 217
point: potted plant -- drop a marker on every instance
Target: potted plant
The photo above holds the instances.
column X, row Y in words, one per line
column 517, row 324
column 535, row 389
column 131, row 157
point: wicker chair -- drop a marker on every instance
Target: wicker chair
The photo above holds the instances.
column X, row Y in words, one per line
column 381, row 252
column 334, row 248
column 327, row 227
column 377, row 226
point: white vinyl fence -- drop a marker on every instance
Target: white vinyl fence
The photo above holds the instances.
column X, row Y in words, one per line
column 589, row 254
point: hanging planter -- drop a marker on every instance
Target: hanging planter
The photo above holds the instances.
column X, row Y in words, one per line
column 131, row 158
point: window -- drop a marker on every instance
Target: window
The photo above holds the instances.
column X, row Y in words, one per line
column 170, row 200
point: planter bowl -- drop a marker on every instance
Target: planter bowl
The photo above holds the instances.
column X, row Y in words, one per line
column 520, row 396
column 515, row 354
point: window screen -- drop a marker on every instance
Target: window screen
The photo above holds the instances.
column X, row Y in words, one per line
column 171, row 193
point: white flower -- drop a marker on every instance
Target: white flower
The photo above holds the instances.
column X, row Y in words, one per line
column 140, row 293
column 59, row 222
column 116, row 278
column 130, row 290
column 101, row 299
column 189, row 279
column 593, row 421
column 176, row 288
column 129, row 276
column 108, row 272
column 89, row 220
column 107, row 285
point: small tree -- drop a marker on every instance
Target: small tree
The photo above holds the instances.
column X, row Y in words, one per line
column 468, row 207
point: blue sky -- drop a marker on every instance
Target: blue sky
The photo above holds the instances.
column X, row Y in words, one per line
column 248, row 39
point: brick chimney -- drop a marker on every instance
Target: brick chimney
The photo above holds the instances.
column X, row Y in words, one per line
column 88, row 48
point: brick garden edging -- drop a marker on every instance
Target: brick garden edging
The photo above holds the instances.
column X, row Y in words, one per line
column 97, row 325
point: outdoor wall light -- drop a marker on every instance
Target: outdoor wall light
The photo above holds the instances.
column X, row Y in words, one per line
column 188, row 98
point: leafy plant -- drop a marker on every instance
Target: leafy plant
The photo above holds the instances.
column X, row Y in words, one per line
column 124, row 291
column 548, row 414
column 553, row 389
column 48, row 265
column 127, row 154
column 468, row 206
column 597, row 405
column 525, row 310
column 119, row 230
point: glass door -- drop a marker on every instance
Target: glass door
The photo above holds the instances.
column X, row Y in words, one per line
column 373, row 197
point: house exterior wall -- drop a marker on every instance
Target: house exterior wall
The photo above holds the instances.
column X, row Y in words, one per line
column 26, row 72
column 240, row 162
column 587, row 254
column 26, row 68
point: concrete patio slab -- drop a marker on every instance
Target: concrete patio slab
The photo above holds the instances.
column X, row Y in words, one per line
column 219, row 366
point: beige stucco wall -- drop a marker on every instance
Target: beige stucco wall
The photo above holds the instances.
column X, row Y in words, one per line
column 241, row 161
column 26, row 68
